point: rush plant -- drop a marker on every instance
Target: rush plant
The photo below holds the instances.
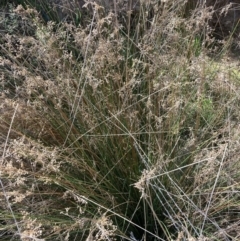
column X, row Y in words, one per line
column 117, row 130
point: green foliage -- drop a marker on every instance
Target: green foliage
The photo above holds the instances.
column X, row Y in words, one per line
column 108, row 134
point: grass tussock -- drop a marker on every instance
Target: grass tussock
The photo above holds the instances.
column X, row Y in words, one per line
column 118, row 127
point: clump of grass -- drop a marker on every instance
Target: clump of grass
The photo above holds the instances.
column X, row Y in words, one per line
column 115, row 133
